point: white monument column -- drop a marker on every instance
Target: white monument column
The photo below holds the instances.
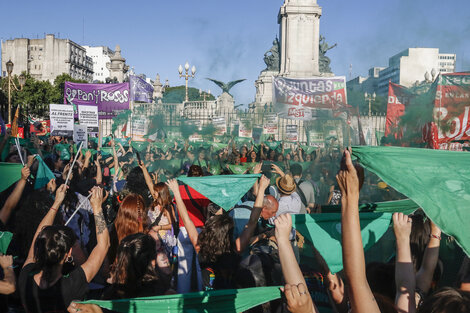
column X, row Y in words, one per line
column 299, row 22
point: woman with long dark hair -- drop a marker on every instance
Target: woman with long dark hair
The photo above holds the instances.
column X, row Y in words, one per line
column 218, row 253
column 42, row 286
column 137, row 272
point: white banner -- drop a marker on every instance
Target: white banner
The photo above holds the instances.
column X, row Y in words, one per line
column 270, row 124
column 80, row 134
column 220, row 125
column 61, row 116
column 291, row 133
column 139, row 128
column 88, row 116
column 245, row 129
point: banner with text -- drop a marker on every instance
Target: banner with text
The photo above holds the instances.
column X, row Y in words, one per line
column 399, row 97
column 111, row 99
column 140, row 89
column 270, row 124
column 292, row 133
column 139, row 127
column 452, row 108
column 304, row 99
column 80, row 134
column 245, row 128
column 61, row 116
column 220, row 125
column 88, row 116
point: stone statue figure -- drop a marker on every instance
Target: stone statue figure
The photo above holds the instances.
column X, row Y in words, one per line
column 272, row 57
column 226, row 86
column 324, row 61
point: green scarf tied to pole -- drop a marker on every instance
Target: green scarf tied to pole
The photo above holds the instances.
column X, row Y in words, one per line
column 437, row 180
column 43, row 175
column 324, row 231
column 223, row 190
column 233, row 300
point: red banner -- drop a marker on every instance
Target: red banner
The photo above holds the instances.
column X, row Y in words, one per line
column 399, row 97
column 452, row 109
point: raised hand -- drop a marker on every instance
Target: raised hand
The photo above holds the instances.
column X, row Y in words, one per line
column 298, row 299
column 402, row 226
column 283, row 227
column 60, row 193
column 264, row 182
column 173, row 185
column 6, row 261
column 96, row 198
column 257, row 168
column 276, row 169
column 25, row 172
column 347, row 178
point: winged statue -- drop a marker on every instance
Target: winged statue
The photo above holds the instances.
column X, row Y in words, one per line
column 226, row 86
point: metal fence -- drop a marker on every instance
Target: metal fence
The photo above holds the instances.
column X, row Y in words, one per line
column 202, row 113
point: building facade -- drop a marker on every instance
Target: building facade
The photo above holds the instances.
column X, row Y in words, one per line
column 100, row 56
column 47, row 58
column 406, row 68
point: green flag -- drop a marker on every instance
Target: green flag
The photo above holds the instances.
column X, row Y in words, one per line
column 273, row 145
column 223, row 190
column 324, row 231
column 238, row 169
column 308, row 149
column 10, row 173
column 5, row 239
column 164, row 146
column 43, row 175
column 437, row 180
column 231, row 300
column 63, row 150
column 219, row 145
column 106, row 152
column 405, row 206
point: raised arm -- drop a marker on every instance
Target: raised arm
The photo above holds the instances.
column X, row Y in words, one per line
column 96, row 258
column 404, row 272
column 115, row 158
column 99, row 174
column 183, row 212
column 47, row 220
column 298, row 297
column 243, row 241
column 430, row 258
column 15, row 196
column 362, row 299
column 148, row 180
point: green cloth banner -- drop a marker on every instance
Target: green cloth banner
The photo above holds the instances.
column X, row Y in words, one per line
column 106, row 152
column 324, row 231
column 232, row 300
column 238, row 169
column 219, row 145
column 437, row 180
column 5, row 239
column 139, row 145
column 63, row 150
column 10, row 173
column 273, row 145
column 308, row 149
column 405, row 206
column 164, row 146
column 43, row 175
column 223, row 190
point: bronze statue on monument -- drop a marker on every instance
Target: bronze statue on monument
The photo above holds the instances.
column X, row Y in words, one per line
column 324, row 61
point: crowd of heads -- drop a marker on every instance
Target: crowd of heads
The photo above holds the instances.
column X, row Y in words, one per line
column 119, row 226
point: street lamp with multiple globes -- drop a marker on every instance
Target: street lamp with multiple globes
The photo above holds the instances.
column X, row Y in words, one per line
column 204, row 94
column 186, row 76
column 370, row 98
column 22, row 81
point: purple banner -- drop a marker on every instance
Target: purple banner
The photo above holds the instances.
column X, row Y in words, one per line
column 111, row 99
column 140, row 89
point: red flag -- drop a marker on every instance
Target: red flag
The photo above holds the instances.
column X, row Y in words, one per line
column 124, row 128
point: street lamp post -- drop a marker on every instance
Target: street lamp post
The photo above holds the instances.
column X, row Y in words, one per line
column 204, row 94
column 22, row 81
column 370, row 98
column 186, row 76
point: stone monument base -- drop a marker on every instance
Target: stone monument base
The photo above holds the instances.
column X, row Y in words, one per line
column 264, row 88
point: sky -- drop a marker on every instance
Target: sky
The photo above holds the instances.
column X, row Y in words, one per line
column 226, row 40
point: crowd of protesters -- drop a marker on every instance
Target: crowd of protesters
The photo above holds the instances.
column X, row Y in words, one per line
column 138, row 232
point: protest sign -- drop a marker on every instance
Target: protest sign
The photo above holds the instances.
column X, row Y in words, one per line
column 315, row 138
column 220, row 125
column 111, row 99
column 61, row 116
column 399, row 98
column 300, row 99
column 80, row 134
column 140, row 89
column 88, row 116
column 292, row 133
column 270, row 124
column 245, row 129
column 139, row 127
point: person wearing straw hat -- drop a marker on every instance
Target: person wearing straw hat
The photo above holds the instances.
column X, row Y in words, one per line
column 289, row 199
